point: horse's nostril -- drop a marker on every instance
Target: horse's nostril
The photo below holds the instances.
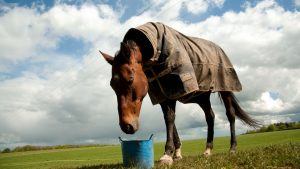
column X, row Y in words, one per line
column 128, row 129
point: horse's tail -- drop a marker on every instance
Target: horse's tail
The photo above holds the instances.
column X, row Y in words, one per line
column 238, row 111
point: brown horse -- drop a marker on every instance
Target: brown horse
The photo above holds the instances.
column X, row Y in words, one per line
column 131, row 85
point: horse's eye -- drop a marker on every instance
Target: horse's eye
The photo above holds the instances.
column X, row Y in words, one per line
column 114, row 80
column 116, row 77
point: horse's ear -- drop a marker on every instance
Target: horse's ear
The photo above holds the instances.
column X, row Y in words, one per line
column 107, row 57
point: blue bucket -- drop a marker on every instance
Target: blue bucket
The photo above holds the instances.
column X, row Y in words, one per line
column 138, row 153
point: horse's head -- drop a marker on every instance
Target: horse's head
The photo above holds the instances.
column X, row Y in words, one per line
column 129, row 83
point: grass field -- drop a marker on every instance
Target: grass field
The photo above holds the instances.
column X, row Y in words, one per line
column 280, row 149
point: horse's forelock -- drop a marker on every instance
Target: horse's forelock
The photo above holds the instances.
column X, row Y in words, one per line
column 121, row 58
column 123, row 55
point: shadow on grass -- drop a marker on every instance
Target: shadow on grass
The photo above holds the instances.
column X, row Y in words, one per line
column 112, row 166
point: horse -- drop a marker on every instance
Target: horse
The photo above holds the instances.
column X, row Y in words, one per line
column 131, row 84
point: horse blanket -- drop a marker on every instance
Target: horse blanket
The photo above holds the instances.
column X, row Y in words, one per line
column 177, row 65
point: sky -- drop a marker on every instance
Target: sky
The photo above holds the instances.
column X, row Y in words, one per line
column 54, row 85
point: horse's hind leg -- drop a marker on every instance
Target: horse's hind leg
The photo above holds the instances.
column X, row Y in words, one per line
column 230, row 112
column 204, row 102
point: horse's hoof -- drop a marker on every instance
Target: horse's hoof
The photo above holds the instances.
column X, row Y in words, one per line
column 166, row 160
column 232, row 151
column 177, row 156
column 207, row 152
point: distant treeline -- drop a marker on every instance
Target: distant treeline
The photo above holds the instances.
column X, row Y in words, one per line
column 276, row 127
column 36, row 148
column 269, row 128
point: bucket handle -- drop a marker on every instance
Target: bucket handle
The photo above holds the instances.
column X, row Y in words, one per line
column 151, row 137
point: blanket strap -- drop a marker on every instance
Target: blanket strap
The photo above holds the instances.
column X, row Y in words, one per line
column 161, row 74
column 155, row 77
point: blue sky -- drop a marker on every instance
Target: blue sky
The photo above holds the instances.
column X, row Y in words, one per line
column 136, row 7
column 54, row 82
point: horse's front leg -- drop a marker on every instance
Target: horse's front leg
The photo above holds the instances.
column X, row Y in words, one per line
column 177, row 155
column 168, row 108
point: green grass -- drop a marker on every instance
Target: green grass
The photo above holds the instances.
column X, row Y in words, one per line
column 272, row 156
column 279, row 149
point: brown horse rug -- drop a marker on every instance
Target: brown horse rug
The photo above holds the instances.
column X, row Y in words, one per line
column 178, row 65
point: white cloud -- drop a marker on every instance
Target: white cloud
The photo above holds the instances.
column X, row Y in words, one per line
column 87, row 22
column 251, row 37
column 39, row 32
column 268, row 104
column 21, row 37
column 297, row 2
column 170, row 10
column 7, row 138
column 218, row 3
column 197, row 6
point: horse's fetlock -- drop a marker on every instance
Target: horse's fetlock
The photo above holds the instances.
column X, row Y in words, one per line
column 177, row 145
column 169, row 149
column 209, row 145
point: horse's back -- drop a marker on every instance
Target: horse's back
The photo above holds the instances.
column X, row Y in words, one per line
column 181, row 65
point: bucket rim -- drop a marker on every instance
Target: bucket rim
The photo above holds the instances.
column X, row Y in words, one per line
column 150, row 139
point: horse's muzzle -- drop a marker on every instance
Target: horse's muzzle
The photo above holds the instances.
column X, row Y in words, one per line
column 129, row 128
